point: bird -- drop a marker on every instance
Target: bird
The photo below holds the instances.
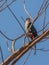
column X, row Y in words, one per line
column 32, row 32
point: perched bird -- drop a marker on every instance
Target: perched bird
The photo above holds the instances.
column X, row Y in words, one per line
column 32, row 33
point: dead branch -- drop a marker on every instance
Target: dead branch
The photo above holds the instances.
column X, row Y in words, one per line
column 13, row 46
column 1, row 54
column 3, row 3
column 27, row 12
column 43, row 27
column 7, row 5
column 11, row 39
column 19, row 53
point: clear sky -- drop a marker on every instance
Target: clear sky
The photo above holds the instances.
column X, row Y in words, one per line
column 11, row 28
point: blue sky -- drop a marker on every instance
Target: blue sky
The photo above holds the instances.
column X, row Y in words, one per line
column 11, row 28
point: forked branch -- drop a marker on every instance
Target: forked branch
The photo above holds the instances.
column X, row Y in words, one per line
column 19, row 53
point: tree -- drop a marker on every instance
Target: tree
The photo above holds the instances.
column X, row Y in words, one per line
column 43, row 33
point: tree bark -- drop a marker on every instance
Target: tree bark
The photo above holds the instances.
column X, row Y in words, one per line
column 19, row 53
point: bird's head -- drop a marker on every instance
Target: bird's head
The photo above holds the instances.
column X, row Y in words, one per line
column 28, row 20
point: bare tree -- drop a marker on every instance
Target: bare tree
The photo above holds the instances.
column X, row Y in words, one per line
column 17, row 54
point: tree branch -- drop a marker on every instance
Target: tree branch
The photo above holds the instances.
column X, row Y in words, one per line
column 19, row 53
column 7, row 5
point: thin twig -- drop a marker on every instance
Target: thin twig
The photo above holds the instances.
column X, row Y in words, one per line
column 24, row 40
column 25, row 8
column 41, row 49
column 1, row 54
column 42, row 6
column 44, row 27
column 13, row 46
column 8, row 45
column 44, row 50
column 44, row 20
column 11, row 39
column 3, row 3
column 7, row 5
column 28, row 55
column 23, row 19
